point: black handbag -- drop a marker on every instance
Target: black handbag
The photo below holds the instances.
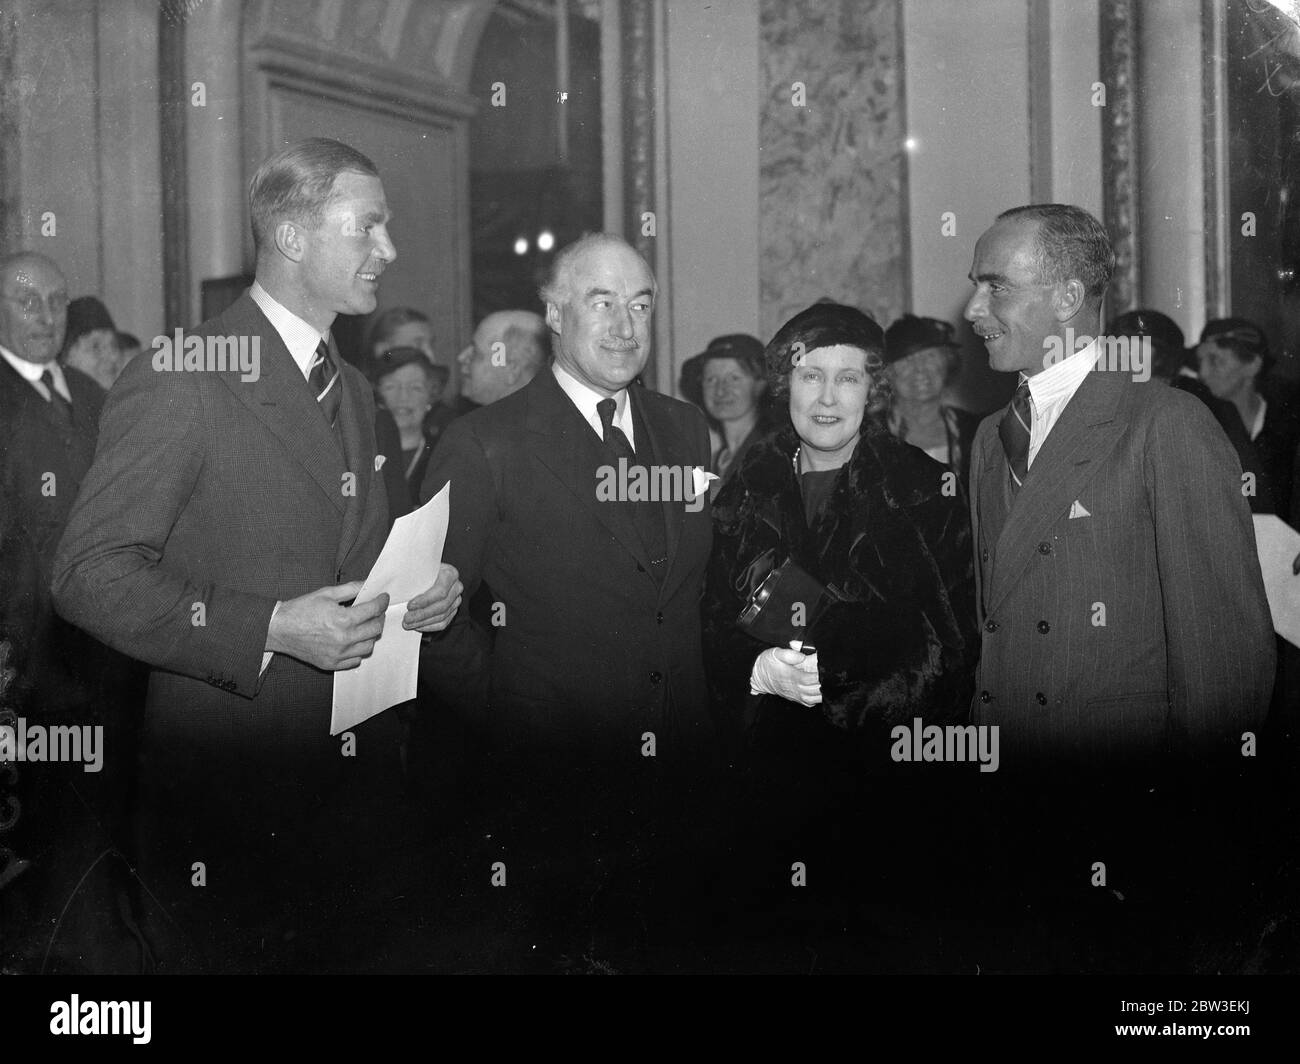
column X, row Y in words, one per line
column 785, row 605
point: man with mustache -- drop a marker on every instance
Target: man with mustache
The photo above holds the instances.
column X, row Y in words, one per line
column 221, row 536
column 587, row 685
column 1121, row 597
column 1127, row 653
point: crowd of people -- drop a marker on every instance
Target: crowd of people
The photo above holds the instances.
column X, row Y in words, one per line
column 865, row 666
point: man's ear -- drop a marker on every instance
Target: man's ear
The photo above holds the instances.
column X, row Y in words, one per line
column 1069, row 299
column 289, row 241
column 553, row 317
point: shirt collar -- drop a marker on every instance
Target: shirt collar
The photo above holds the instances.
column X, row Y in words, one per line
column 299, row 337
column 586, row 398
column 30, row 371
column 33, row 371
column 1060, row 381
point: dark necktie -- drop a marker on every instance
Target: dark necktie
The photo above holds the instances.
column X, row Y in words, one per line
column 1013, row 431
column 325, row 383
column 615, row 441
column 62, row 408
column 647, row 515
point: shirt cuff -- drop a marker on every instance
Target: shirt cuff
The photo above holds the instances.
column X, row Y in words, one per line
column 266, row 658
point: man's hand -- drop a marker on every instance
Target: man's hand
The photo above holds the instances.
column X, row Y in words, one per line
column 318, row 630
column 433, row 610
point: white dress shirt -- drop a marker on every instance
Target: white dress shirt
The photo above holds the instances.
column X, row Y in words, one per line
column 33, row 371
column 585, row 399
column 1051, row 390
column 1258, row 426
column 300, row 338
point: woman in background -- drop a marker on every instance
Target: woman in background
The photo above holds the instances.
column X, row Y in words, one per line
column 408, row 386
column 732, row 383
column 1234, row 361
column 923, row 359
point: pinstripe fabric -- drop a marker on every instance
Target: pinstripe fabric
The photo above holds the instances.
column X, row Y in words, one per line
column 1140, row 628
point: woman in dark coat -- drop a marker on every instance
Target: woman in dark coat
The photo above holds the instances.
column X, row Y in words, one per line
column 867, row 515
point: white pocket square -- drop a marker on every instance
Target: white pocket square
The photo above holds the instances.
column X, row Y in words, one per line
column 1077, row 510
column 700, row 480
column 379, row 461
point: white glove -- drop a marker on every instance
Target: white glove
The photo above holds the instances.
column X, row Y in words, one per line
column 788, row 674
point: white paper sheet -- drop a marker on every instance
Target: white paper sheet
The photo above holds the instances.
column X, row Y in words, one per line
column 406, row 567
column 1278, row 544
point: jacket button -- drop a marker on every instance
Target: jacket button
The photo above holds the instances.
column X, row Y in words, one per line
column 985, row 697
column 1040, row 698
column 659, row 617
column 1044, row 627
column 984, row 554
column 990, row 626
column 656, row 677
column 1044, row 548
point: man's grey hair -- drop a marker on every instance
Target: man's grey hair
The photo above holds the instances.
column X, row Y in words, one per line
column 558, row 286
column 1069, row 245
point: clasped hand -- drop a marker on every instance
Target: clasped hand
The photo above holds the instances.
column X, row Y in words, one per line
column 318, row 629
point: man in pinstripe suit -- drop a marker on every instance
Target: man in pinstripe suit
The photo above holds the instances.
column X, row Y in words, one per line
column 1121, row 601
column 224, row 528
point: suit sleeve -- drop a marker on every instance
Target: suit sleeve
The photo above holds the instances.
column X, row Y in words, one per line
column 108, row 575
column 454, row 662
column 1218, row 632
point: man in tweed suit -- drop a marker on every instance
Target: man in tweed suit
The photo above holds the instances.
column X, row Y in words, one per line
column 1121, row 600
column 227, row 522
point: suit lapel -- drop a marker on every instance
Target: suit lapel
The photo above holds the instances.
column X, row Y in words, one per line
column 281, row 400
column 1074, row 452
column 356, row 428
column 666, row 448
column 30, row 402
column 567, row 446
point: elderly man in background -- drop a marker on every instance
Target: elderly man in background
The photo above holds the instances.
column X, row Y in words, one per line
column 509, row 348
column 48, row 428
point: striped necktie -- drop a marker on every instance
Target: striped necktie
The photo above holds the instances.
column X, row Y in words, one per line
column 1013, row 431
column 325, row 383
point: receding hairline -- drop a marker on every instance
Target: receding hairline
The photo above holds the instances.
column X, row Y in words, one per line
column 10, row 264
column 559, row 284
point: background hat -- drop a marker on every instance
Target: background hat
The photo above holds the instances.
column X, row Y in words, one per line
column 1245, row 336
column 1169, row 346
column 911, row 333
column 85, row 315
column 691, row 381
column 740, row 346
column 380, row 366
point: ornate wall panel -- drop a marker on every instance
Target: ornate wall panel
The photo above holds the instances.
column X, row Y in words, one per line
column 832, row 173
